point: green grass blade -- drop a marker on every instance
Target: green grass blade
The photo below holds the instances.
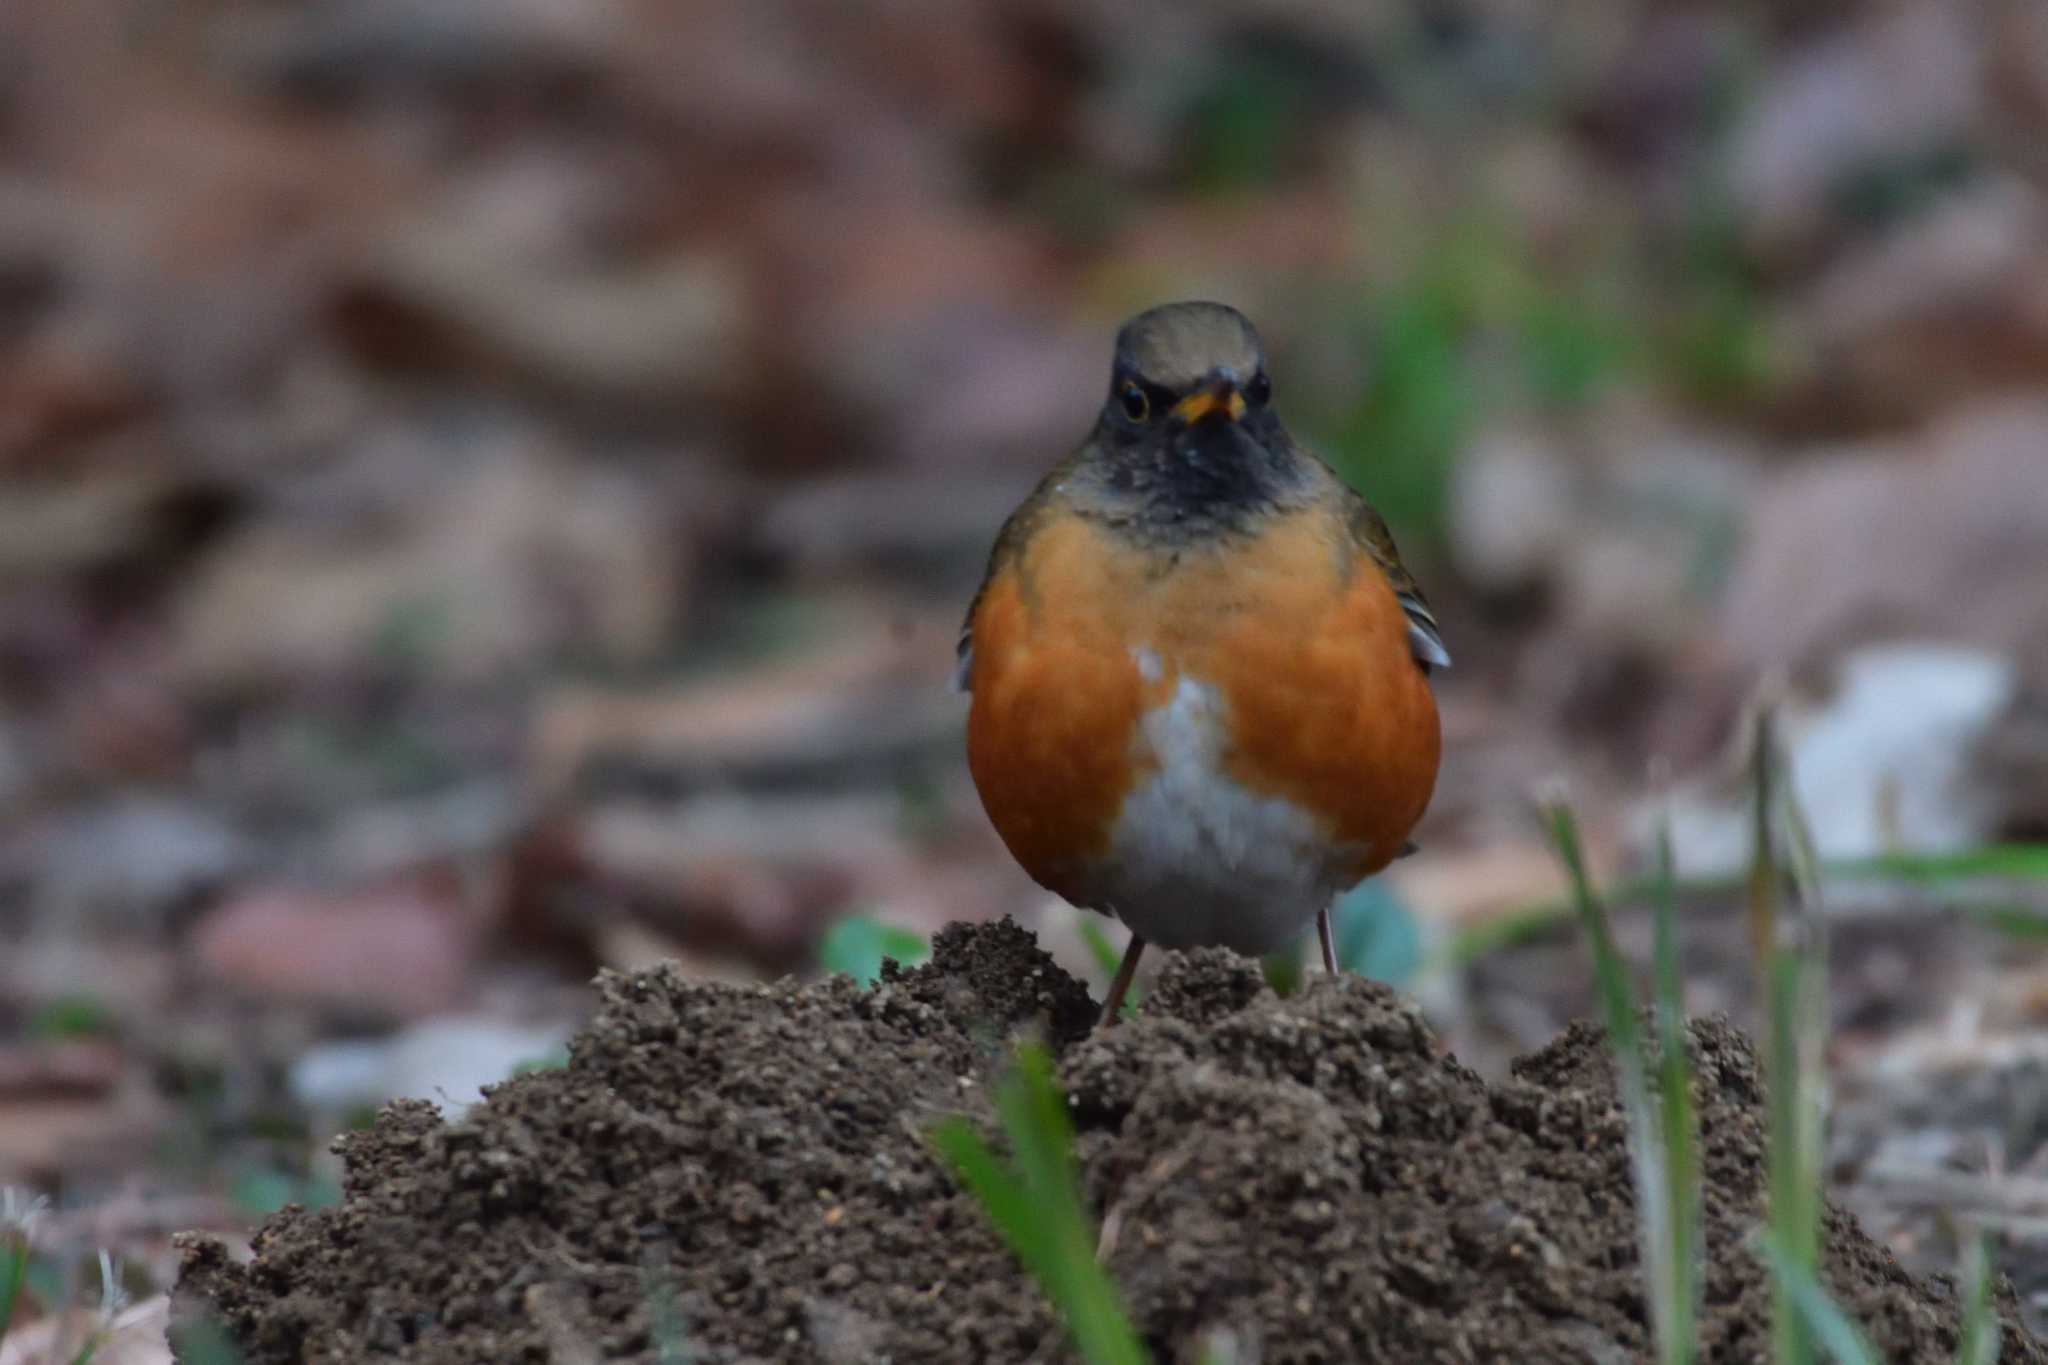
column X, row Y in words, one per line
column 1762, row 888
column 1002, row 1198
column 1096, row 939
column 1792, row 1222
column 1108, row 957
column 665, row 1323
column 13, row 1272
column 2014, row 921
column 1669, row 980
column 1980, row 1324
column 1037, row 1208
column 2023, row 862
column 1610, row 975
column 1283, row 971
column 1794, row 1174
column 1035, row 1115
column 1667, row 1261
column 1822, row 1317
column 1680, row 1124
column 1787, row 938
column 1994, row 864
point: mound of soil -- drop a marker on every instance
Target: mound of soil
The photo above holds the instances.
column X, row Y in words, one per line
column 1309, row 1178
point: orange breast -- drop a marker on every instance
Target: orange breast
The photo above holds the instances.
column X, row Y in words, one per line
column 1296, row 629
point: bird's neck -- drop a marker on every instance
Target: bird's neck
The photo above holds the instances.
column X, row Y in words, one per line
column 1215, row 479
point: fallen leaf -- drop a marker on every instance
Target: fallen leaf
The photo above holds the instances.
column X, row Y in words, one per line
column 402, row 950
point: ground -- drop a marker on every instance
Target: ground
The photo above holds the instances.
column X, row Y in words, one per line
column 1306, row 1179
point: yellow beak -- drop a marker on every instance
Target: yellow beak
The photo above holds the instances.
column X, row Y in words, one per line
column 1221, row 398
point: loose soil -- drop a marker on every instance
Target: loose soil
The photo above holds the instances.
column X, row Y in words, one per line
column 1311, row 1179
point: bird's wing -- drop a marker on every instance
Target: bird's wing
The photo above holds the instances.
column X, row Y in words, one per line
column 1425, row 637
column 1009, row 543
column 963, row 653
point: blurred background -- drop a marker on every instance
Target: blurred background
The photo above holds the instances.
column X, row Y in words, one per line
column 488, row 489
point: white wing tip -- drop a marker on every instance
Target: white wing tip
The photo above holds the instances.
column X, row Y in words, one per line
column 1427, row 648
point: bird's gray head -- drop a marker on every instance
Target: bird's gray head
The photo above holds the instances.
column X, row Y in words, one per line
column 1182, row 362
column 1188, row 430
column 1182, row 346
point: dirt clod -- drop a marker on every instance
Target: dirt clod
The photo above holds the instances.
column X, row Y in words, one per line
column 1310, row 1178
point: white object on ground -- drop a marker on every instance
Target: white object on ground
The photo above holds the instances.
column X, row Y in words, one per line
column 448, row 1060
column 1882, row 765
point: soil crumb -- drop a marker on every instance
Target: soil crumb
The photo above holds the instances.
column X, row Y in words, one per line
column 733, row 1175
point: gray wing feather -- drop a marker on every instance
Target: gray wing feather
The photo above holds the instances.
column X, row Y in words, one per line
column 963, row 661
column 1425, row 640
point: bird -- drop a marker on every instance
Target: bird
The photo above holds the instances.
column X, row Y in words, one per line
column 1199, row 676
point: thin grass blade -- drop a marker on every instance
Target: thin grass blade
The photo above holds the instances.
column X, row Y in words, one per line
column 1824, row 1319
column 1667, row 1264
column 1037, row 1208
column 13, row 1272
column 1792, row 983
column 665, row 1323
column 1107, row 958
column 2015, row 867
column 1980, row 1323
column 1762, row 890
column 1035, row 1114
column 1002, row 1198
column 1679, row 1123
column 1610, row 973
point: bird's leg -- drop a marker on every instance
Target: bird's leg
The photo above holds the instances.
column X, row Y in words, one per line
column 1328, row 940
column 1121, row 986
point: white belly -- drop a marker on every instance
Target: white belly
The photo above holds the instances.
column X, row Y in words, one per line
column 1196, row 859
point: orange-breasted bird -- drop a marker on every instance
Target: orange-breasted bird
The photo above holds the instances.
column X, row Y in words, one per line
column 1200, row 674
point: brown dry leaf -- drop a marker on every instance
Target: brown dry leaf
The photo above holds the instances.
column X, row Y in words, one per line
column 402, row 950
column 322, row 49
column 659, row 335
column 1622, row 511
column 976, row 392
column 1896, row 84
column 1943, row 536
column 631, row 946
column 105, row 1132
column 72, row 1068
column 764, row 872
column 834, row 521
column 491, row 567
column 879, row 686
column 1235, row 251
column 64, row 525
column 2016, row 84
column 1951, row 305
column 54, row 396
column 201, row 230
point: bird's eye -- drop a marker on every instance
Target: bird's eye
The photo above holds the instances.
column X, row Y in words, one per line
column 1260, row 391
column 1136, row 406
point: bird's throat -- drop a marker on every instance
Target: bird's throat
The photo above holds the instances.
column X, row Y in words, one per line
column 1214, row 478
